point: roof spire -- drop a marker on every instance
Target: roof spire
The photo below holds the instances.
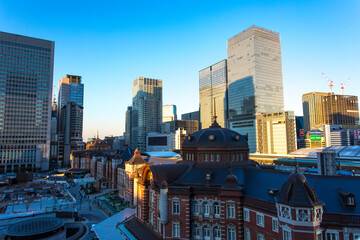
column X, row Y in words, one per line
column 214, row 117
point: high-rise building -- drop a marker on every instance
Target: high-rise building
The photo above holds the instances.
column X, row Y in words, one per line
column 327, row 108
column 146, row 110
column 254, row 79
column 276, row 133
column 192, row 116
column 54, row 139
column 213, row 93
column 26, row 76
column 128, row 126
column 169, row 113
column 190, row 126
column 70, row 123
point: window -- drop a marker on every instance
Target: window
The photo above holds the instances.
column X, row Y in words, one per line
column 197, row 231
column 176, row 206
column 246, row 215
column 217, row 209
column 231, row 233
column 231, row 210
column 318, row 214
column 195, row 208
column 260, row 236
column 246, row 233
column 159, row 225
column 351, row 201
column 206, row 232
column 206, row 209
column 176, row 229
column 275, row 225
column 260, row 219
column 319, row 236
column 332, row 236
column 356, row 237
column 286, row 235
column 158, row 203
column 217, row 233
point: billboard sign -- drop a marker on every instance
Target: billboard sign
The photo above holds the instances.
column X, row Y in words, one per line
column 302, row 132
column 315, row 137
column 356, row 134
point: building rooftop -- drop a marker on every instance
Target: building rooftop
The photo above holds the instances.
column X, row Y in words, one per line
column 35, row 226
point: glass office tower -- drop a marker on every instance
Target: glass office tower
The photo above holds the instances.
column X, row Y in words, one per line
column 26, row 76
column 71, row 106
column 254, row 79
column 146, row 110
column 213, row 86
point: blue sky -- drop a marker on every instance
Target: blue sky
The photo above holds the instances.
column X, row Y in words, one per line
column 110, row 43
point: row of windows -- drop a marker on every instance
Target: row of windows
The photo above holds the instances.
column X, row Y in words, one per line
column 260, row 220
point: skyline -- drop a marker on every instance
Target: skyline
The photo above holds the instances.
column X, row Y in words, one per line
column 173, row 39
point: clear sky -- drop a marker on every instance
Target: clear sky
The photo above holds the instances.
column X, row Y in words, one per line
column 110, row 43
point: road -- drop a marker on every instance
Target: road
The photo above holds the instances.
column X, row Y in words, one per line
column 88, row 210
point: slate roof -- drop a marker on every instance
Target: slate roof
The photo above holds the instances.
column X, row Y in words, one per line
column 258, row 181
column 223, row 138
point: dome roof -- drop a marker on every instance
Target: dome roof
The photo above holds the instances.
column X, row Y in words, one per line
column 297, row 192
column 35, row 226
column 215, row 136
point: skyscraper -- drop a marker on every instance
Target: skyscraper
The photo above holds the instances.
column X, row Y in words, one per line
column 213, row 92
column 146, row 110
column 128, row 126
column 327, row 108
column 254, row 79
column 71, row 105
column 169, row 113
column 276, row 133
column 26, row 76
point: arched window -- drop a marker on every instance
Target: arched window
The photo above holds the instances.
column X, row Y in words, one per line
column 217, row 233
column 217, row 209
column 206, row 209
column 195, row 207
column 206, row 232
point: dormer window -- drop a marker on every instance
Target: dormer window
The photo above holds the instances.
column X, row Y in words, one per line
column 208, row 176
column 351, row 201
column 347, row 198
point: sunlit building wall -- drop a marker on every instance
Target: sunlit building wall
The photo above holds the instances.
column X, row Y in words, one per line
column 213, row 92
column 255, row 82
column 146, row 110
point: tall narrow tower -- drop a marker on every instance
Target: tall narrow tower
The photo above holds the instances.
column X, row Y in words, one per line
column 70, row 124
column 146, row 110
column 254, row 79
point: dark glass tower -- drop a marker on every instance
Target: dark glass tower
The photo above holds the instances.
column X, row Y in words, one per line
column 26, row 77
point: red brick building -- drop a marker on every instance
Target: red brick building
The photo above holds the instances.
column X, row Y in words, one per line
column 217, row 193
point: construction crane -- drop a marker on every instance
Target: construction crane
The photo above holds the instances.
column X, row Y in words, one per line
column 343, row 85
column 331, row 83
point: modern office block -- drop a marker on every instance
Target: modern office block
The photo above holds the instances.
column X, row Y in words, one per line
column 254, row 79
column 70, row 123
column 54, row 137
column 26, row 77
column 213, row 89
column 169, row 113
column 146, row 110
column 192, row 116
column 190, row 126
column 276, row 133
column 327, row 108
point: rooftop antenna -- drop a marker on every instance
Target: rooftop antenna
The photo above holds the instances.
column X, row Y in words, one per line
column 331, row 83
column 343, row 85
